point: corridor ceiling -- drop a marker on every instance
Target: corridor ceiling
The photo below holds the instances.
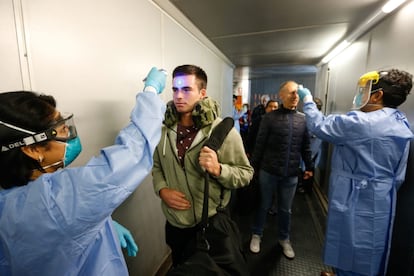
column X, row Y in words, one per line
column 272, row 35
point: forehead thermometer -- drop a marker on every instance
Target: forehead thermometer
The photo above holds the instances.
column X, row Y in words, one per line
column 161, row 70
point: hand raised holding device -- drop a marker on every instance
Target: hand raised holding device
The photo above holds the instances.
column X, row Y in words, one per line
column 155, row 80
column 304, row 92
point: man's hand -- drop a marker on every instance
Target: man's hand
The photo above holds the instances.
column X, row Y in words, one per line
column 208, row 160
column 307, row 174
column 174, row 199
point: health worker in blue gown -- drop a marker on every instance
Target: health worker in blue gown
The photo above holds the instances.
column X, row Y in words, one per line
column 56, row 220
column 369, row 160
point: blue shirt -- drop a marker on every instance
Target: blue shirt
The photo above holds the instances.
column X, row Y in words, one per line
column 236, row 116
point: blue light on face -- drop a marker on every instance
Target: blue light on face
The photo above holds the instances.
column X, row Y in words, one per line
column 183, row 84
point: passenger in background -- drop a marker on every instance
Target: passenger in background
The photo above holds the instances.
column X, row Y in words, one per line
column 254, row 126
column 180, row 161
column 56, row 220
column 236, row 114
column 259, row 109
column 270, row 106
column 281, row 142
column 401, row 260
column 244, row 122
column 248, row 197
column 368, row 166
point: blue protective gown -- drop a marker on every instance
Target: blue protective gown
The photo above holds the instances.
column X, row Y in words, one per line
column 60, row 224
column 368, row 166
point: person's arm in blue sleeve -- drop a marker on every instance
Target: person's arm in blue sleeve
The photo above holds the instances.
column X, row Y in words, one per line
column 306, row 154
column 115, row 174
column 126, row 239
column 402, row 166
column 335, row 129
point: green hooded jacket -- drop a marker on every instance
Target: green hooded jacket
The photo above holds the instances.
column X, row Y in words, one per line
column 167, row 171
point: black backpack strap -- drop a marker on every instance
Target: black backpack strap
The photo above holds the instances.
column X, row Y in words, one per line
column 219, row 133
column 214, row 142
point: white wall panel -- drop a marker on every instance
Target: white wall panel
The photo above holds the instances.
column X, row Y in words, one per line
column 92, row 56
column 10, row 74
column 388, row 45
column 345, row 71
column 392, row 47
column 184, row 48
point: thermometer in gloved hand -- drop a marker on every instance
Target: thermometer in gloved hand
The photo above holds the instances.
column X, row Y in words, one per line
column 161, row 70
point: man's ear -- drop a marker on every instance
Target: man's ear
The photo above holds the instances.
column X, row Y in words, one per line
column 378, row 97
column 32, row 151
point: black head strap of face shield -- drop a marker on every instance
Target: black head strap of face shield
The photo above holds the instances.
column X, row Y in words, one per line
column 19, row 137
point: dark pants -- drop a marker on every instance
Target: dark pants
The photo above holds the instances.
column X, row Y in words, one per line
column 180, row 240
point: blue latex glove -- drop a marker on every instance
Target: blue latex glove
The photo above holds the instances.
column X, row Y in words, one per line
column 126, row 239
column 303, row 92
column 156, row 79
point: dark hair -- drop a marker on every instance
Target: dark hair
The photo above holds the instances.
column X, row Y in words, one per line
column 187, row 69
column 30, row 111
column 396, row 85
column 318, row 103
column 271, row 101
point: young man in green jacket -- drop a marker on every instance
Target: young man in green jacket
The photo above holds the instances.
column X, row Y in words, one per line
column 181, row 160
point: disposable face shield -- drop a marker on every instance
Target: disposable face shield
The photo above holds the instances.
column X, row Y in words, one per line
column 61, row 130
column 364, row 86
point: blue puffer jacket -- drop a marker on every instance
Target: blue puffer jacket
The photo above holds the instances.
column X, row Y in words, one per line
column 282, row 140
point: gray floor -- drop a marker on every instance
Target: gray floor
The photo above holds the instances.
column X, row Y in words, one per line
column 307, row 233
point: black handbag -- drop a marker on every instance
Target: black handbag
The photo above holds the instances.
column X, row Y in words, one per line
column 200, row 263
column 225, row 247
column 218, row 248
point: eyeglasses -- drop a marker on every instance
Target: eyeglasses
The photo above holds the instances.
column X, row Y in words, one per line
column 62, row 130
